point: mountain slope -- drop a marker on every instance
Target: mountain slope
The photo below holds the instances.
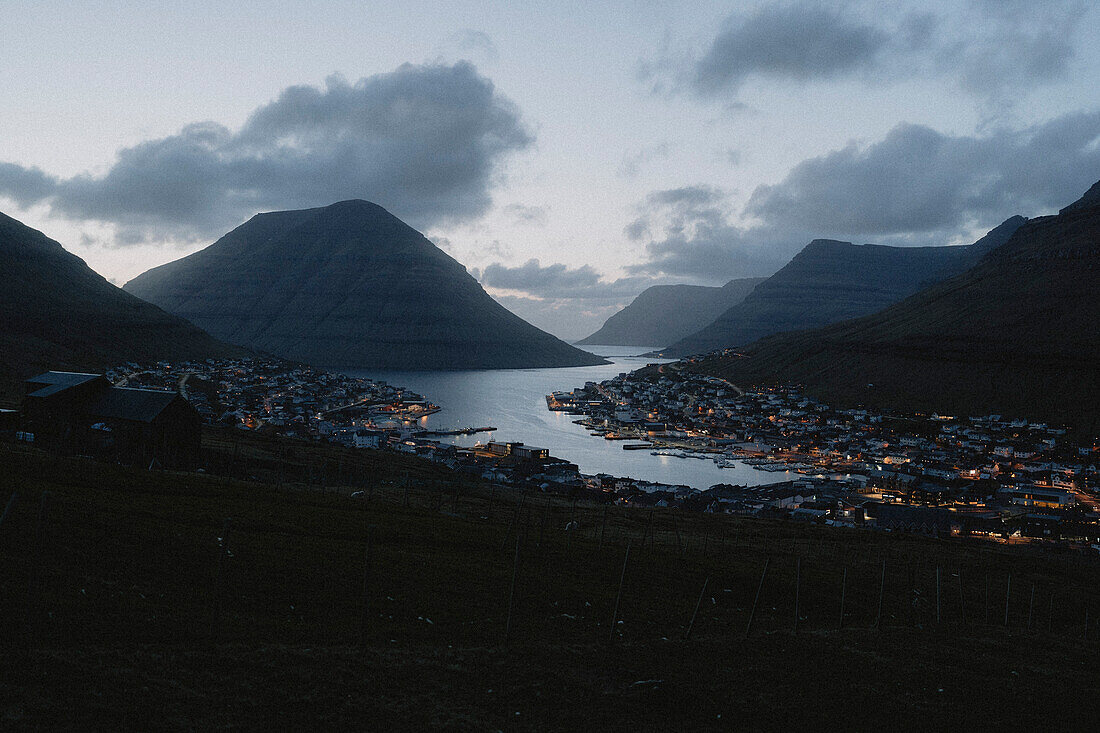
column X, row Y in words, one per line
column 830, row 281
column 1016, row 334
column 57, row 313
column 348, row 285
column 663, row 314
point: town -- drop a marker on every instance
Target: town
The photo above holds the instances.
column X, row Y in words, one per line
column 990, row 477
column 1002, row 480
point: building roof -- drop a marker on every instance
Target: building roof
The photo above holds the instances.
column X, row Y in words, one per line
column 128, row 403
column 50, row 383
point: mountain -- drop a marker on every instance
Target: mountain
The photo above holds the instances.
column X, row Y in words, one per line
column 1016, row 335
column 830, row 281
column 348, row 285
column 663, row 314
column 57, row 313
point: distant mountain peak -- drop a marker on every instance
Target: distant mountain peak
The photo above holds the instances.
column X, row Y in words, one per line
column 662, row 314
column 348, row 285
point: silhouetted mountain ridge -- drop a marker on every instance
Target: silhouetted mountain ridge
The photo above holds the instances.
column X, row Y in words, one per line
column 57, row 313
column 831, row 281
column 662, row 314
column 1016, row 334
column 348, row 285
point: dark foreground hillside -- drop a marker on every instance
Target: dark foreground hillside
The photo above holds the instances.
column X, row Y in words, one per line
column 126, row 600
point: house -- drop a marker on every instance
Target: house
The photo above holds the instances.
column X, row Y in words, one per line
column 69, row 412
column 917, row 519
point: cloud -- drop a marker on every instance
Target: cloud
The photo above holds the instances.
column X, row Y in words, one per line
column 632, row 163
column 522, row 214
column 995, row 50
column 917, row 180
column 800, row 41
column 468, row 44
column 423, row 141
column 558, row 281
column 26, row 186
column 689, row 234
column 570, row 302
column 915, row 186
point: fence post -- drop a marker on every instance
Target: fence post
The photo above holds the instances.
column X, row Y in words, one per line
column 843, row 589
column 797, row 589
column 1008, row 596
column 11, row 505
column 752, row 613
column 1031, row 606
column 366, row 587
column 881, row 592
column 962, row 598
column 937, row 595
column 512, row 593
column 223, row 553
column 603, row 528
column 703, row 592
column 619, row 595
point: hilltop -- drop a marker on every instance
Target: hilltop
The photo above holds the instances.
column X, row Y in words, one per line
column 1016, row 334
column 831, row 281
column 348, row 285
column 662, row 314
column 57, row 313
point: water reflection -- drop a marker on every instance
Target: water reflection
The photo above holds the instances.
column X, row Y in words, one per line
column 513, row 401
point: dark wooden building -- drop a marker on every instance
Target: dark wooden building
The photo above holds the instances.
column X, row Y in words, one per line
column 84, row 414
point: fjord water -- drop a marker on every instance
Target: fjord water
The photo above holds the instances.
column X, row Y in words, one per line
column 514, row 402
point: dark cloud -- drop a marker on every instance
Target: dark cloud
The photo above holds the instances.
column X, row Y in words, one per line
column 800, row 41
column 559, row 281
column 25, row 186
column 423, row 141
column 916, row 186
column 992, row 49
column 918, row 180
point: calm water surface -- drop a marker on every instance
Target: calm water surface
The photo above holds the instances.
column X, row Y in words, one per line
column 514, row 401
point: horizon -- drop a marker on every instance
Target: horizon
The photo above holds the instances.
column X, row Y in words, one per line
column 570, row 158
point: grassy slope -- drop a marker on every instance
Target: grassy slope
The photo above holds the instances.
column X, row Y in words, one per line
column 109, row 609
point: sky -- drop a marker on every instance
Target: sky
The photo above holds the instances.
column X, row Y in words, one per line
column 569, row 156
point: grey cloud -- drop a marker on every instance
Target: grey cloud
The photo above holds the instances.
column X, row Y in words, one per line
column 26, row 186
column 558, row 281
column 691, row 236
column 917, row 180
column 994, row 50
column 1013, row 50
column 522, row 214
column 798, row 41
column 423, row 141
column 632, row 163
column 916, row 186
